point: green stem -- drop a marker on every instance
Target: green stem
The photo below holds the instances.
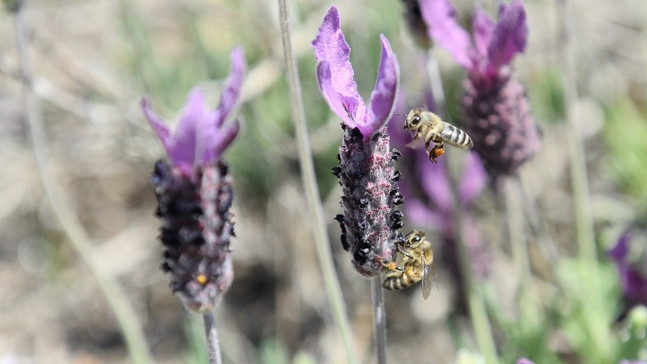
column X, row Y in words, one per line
column 331, row 282
column 117, row 299
column 579, row 182
column 475, row 300
column 526, row 297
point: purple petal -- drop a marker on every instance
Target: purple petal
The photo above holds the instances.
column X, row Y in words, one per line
column 158, row 125
column 232, row 86
column 422, row 215
column 619, row 252
column 435, row 183
column 385, row 92
column 221, row 141
column 473, row 181
column 482, row 28
column 510, row 34
column 188, row 141
column 340, row 104
column 443, row 28
column 635, row 284
column 525, row 361
column 336, row 77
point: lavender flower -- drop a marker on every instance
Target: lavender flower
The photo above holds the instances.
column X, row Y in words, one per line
column 194, row 194
column 496, row 104
column 632, row 271
column 370, row 224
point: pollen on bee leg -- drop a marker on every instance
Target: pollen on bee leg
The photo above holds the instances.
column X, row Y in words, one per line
column 390, row 266
column 436, row 152
column 201, row 279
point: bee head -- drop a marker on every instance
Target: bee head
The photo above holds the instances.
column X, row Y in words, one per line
column 414, row 238
column 413, row 119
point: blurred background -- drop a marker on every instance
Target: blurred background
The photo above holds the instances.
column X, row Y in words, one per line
column 93, row 60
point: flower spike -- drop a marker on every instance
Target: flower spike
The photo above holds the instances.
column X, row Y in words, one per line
column 370, row 225
column 194, row 194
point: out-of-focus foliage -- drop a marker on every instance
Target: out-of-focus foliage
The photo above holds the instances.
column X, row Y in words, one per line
column 625, row 134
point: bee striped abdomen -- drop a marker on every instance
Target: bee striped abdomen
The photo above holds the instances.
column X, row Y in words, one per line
column 396, row 281
column 455, row 136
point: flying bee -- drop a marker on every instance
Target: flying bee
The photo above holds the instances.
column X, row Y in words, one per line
column 417, row 257
column 430, row 127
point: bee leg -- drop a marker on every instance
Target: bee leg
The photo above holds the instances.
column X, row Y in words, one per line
column 436, row 152
column 404, row 252
column 391, row 266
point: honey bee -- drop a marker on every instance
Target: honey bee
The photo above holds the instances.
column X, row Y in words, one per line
column 430, row 127
column 417, row 257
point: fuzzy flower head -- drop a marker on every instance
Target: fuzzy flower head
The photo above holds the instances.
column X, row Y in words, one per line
column 200, row 136
column 495, row 102
column 194, row 195
column 336, row 79
column 370, row 224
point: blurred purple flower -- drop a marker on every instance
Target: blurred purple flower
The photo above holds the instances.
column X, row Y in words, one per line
column 370, row 223
column 496, row 105
column 436, row 207
column 200, row 136
column 632, row 274
column 525, row 361
column 194, row 195
column 335, row 77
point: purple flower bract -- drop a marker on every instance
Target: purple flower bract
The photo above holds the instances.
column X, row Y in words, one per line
column 336, row 79
column 200, row 136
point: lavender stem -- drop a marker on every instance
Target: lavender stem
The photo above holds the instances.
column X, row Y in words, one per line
column 579, row 183
column 476, row 302
column 331, row 282
column 379, row 319
column 211, row 334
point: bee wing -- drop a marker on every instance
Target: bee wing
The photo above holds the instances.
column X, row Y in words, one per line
column 416, row 143
column 427, row 280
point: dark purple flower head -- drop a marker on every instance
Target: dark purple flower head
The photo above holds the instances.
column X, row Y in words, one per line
column 336, row 79
column 496, row 105
column 200, row 136
column 632, row 270
column 370, row 224
column 194, row 195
